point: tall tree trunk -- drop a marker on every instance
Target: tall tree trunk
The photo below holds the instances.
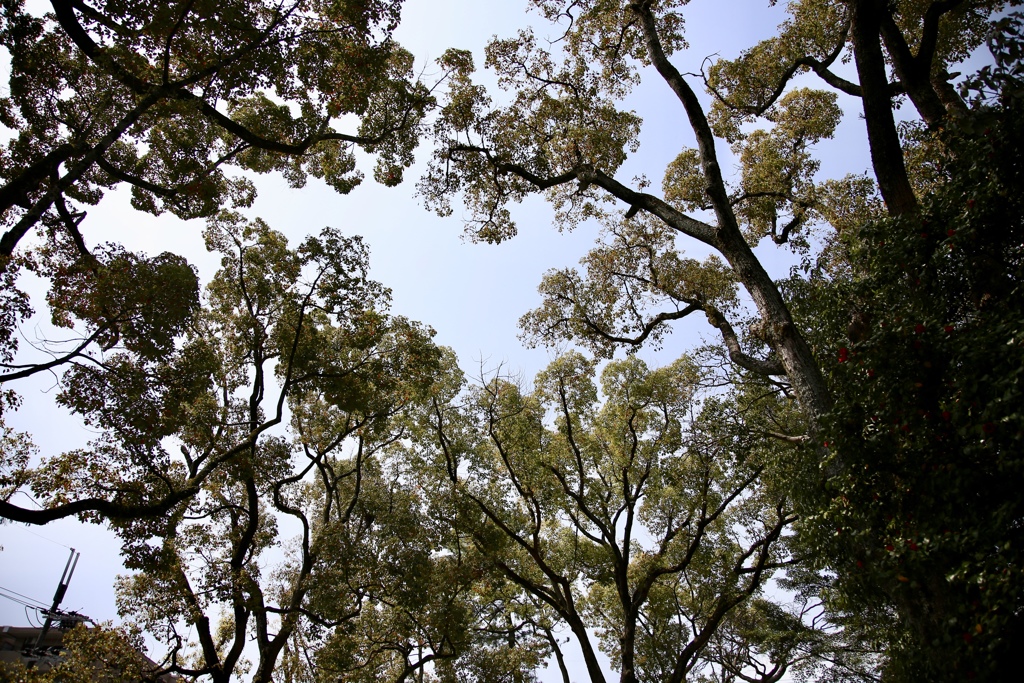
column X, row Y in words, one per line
column 884, row 141
column 784, row 337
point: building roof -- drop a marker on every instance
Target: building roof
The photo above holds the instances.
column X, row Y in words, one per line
column 18, row 645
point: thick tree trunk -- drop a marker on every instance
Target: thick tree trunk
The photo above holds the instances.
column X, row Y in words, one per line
column 913, row 73
column 926, row 83
column 801, row 367
column 579, row 630
column 951, row 100
column 627, row 644
column 883, row 139
column 793, row 351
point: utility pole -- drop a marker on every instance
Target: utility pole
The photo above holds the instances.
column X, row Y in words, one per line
column 58, row 596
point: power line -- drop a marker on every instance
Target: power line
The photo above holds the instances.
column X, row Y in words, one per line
column 30, row 498
column 38, row 535
column 33, row 614
column 21, row 602
column 21, row 595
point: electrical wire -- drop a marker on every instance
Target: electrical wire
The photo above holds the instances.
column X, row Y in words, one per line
column 38, row 535
column 33, row 616
column 21, row 595
column 19, row 601
column 31, row 606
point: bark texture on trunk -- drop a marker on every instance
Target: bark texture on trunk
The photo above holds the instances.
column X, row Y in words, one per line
column 883, row 139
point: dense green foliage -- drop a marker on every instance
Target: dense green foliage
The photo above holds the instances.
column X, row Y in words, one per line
column 166, row 98
column 855, row 435
column 88, row 654
column 172, row 100
column 925, row 518
column 899, row 339
column 652, row 518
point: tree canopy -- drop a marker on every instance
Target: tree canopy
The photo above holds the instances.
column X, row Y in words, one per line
column 562, row 133
column 307, row 488
column 167, row 102
column 652, row 519
column 165, row 99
